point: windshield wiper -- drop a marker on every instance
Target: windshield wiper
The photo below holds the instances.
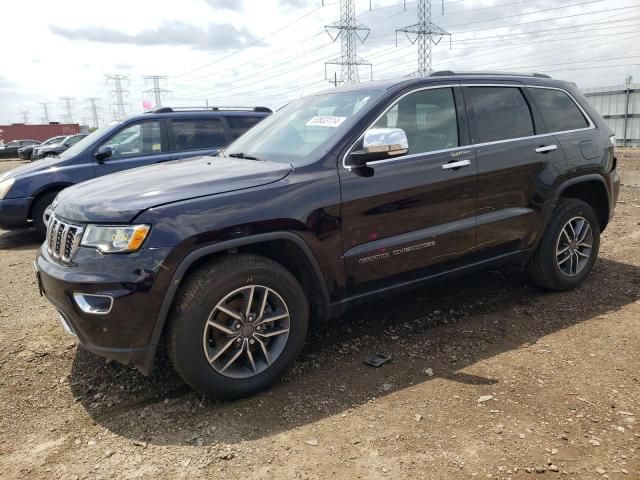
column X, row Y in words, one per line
column 245, row 155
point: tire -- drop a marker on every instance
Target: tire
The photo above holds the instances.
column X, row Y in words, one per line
column 194, row 344
column 551, row 266
column 37, row 213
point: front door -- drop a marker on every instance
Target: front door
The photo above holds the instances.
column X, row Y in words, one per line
column 414, row 215
column 135, row 145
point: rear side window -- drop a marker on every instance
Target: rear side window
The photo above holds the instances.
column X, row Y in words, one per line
column 239, row 125
column 497, row 113
column 197, row 134
column 558, row 110
column 428, row 117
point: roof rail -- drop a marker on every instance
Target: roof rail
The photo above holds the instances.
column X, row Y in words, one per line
column 206, row 108
column 451, row 73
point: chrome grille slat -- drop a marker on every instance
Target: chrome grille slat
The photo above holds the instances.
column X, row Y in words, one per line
column 63, row 239
column 51, row 227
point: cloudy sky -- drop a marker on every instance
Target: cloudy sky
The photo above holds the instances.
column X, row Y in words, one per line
column 266, row 52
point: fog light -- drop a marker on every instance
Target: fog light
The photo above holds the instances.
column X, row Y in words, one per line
column 93, row 304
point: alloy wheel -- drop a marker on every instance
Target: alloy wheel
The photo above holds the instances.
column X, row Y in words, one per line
column 246, row 331
column 574, row 246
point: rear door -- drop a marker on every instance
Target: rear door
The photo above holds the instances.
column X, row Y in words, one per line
column 568, row 123
column 192, row 137
column 516, row 161
column 135, row 145
column 412, row 216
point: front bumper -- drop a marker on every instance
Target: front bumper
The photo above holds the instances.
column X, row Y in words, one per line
column 124, row 333
column 14, row 212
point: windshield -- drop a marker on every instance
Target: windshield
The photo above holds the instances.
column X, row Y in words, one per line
column 88, row 140
column 52, row 140
column 304, row 127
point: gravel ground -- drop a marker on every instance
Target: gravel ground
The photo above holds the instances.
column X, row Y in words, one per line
column 491, row 378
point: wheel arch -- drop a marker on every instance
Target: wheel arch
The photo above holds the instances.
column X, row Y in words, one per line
column 57, row 187
column 286, row 248
column 591, row 189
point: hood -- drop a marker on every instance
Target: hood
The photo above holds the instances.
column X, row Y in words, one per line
column 49, row 163
column 122, row 196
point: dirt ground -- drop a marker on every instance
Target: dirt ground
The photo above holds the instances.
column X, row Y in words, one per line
column 490, row 378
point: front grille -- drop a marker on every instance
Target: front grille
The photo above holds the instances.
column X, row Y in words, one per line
column 63, row 238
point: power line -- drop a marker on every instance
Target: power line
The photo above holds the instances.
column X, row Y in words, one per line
column 157, row 90
column 68, row 117
column 255, row 42
column 546, row 19
column 25, row 116
column 119, row 94
column 349, row 30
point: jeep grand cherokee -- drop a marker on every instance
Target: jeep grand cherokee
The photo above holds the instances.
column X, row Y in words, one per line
column 337, row 198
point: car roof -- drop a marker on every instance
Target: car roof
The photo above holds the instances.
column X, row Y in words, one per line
column 448, row 76
column 206, row 112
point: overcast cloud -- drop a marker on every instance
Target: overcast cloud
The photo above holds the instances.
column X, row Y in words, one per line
column 210, row 37
column 227, row 4
column 232, row 52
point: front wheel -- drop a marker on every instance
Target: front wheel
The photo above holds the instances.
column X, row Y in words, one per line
column 237, row 326
column 569, row 247
column 37, row 213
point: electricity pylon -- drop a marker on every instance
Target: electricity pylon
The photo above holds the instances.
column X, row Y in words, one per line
column 349, row 30
column 426, row 34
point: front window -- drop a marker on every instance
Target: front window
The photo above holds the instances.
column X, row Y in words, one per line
column 139, row 139
column 88, row 140
column 295, row 133
column 428, row 117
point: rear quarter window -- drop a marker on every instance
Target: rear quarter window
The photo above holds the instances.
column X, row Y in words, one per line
column 558, row 110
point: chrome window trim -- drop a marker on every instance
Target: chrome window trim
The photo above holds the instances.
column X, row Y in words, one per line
column 586, row 115
column 473, row 145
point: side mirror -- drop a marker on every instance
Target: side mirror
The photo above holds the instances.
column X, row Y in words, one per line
column 103, row 152
column 380, row 144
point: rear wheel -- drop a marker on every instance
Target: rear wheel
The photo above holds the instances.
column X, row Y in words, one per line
column 237, row 326
column 37, row 213
column 568, row 248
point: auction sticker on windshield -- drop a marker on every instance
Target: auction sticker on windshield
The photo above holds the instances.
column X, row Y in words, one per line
column 325, row 121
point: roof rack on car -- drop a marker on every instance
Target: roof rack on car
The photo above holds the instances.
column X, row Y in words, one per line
column 205, row 108
column 450, row 73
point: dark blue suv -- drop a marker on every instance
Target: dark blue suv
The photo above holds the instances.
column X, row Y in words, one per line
column 153, row 137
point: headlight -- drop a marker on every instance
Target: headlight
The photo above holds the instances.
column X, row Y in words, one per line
column 113, row 238
column 5, row 186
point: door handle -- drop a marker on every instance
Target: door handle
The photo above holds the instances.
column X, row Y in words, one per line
column 547, row 148
column 458, row 164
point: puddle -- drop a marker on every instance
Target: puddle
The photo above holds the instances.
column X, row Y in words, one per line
column 630, row 179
